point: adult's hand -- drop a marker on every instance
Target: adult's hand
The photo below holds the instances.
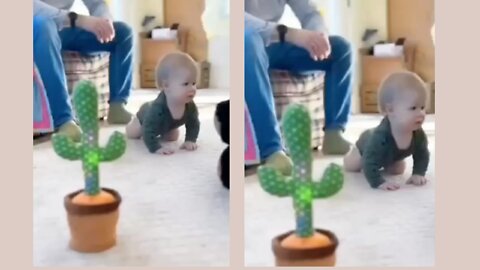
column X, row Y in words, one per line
column 100, row 27
column 316, row 43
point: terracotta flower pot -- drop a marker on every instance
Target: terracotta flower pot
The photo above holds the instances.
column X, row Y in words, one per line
column 92, row 227
column 322, row 256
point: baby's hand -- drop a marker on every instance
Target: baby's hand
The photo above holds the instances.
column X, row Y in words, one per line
column 165, row 151
column 417, row 180
column 189, row 146
column 389, row 186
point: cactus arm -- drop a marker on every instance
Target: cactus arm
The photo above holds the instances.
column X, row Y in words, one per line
column 115, row 147
column 273, row 182
column 330, row 184
column 66, row 148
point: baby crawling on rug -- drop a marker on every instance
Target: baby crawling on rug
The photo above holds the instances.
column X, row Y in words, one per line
column 158, row 121
column 402, row 99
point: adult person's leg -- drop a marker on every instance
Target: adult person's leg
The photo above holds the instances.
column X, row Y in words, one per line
column 47, row 47
column 338, row 85
column 259, row 99
column 121, row 64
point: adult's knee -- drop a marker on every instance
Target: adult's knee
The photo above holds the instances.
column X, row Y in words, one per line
column 44, row 29
column 254, row 46
column 340, row 46
column 123, row 32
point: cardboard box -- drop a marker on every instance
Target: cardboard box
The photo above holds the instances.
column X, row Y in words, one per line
column 369, row 98
column 153, row 50
column 374, row 69
column 147, row 75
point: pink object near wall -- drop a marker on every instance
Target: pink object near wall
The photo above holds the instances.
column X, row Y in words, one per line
column 251, row 149
column 42, row 118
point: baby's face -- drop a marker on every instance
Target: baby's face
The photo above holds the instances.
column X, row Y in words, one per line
column 409, row 111
column 182, row 85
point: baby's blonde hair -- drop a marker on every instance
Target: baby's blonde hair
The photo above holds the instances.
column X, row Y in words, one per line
column 169, row 64
column 397, row 84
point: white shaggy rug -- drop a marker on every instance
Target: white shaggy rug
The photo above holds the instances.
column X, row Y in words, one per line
column 175, row 211
column 375, row 228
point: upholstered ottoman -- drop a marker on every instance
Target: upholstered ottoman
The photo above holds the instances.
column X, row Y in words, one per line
column 306, row 89
column 92, row 67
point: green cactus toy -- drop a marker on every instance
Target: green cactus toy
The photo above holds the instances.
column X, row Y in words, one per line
column 296, row 125
column 85, row 101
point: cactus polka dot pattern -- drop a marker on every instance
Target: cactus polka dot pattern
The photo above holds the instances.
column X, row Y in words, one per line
column 92, row 158
column 304, row 193
column 65, row 147
column 296, row 124
column 297, row 128
column 85, row 99
column 271, row 183
column 85, row 103
column 116, row 146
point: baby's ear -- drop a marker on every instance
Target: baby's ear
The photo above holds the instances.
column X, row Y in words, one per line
column 161, row 84
column 388, row 107
column 158, row 82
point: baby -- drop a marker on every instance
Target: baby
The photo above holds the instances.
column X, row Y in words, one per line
column 175, row 76
column 401, row 98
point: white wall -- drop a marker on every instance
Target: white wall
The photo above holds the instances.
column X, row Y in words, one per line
column 216, row 22
column 133, row 11
column 219, row 58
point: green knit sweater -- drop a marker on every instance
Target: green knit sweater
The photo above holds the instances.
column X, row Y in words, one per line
column 379, row 150
column 156, row 120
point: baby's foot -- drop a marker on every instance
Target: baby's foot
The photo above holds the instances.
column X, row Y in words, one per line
column 352, row 162
column 280, row 161
column 389, row 186
column 189, row 146
column 417, row 180
column 334, row 143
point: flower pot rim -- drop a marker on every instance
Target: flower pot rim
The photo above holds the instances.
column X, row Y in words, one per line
column 304, row 254
column 76, row 209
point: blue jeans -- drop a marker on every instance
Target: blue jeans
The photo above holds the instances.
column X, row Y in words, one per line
column 258, row 90
column 48, row 44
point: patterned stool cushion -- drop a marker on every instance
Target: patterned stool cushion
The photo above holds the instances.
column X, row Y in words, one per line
column 306, row 89
column 92, row 67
